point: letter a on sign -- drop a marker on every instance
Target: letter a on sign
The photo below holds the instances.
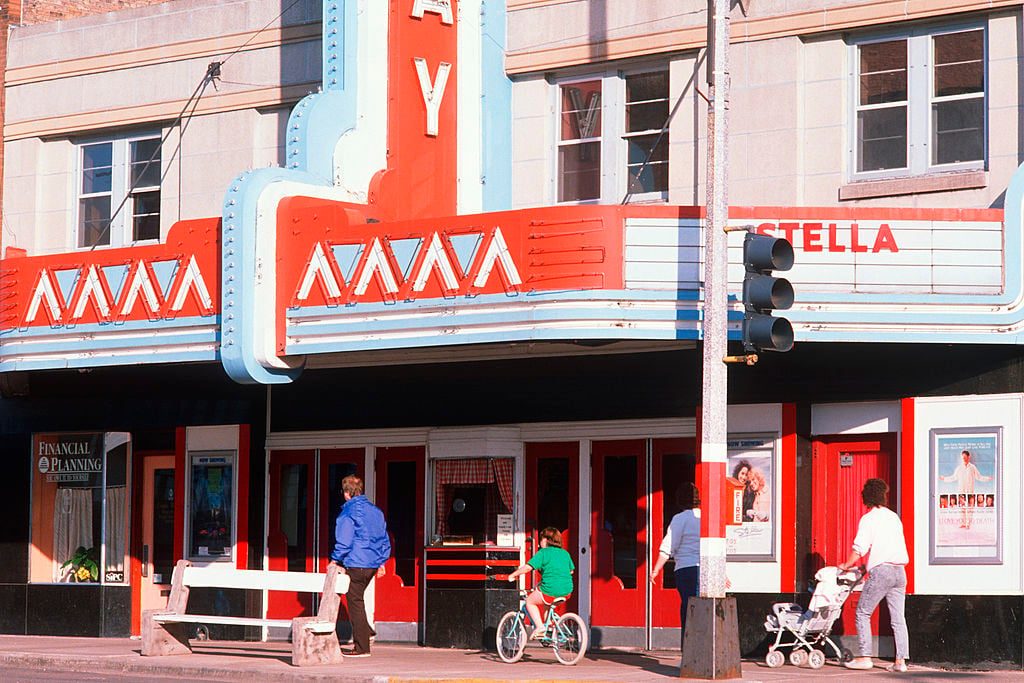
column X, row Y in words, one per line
column 432, row 94
column 442, row 7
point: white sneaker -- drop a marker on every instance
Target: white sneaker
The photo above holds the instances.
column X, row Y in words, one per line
column 859, row 664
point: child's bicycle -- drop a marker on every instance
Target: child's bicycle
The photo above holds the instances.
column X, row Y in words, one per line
column 567, row 635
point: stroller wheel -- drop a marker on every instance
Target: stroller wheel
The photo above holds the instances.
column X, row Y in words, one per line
column 774, row 659
column 815, row 659
column 798, row 657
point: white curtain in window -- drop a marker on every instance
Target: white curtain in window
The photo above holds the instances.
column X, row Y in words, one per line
column 115, row 527
column 72, row 527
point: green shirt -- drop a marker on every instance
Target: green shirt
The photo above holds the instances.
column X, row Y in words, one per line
column 555, row 567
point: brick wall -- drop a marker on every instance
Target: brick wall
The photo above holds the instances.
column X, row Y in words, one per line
column 39, row 11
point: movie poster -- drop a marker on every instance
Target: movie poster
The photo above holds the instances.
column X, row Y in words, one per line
column 751, row 462
column 965, row 496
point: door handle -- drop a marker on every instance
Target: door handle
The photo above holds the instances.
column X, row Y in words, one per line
column 145, row 560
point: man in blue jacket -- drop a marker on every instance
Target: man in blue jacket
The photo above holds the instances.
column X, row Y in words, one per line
column 361, row 548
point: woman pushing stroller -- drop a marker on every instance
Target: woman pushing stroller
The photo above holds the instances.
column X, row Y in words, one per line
column 880, row 539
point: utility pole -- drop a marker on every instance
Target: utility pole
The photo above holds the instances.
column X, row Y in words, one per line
column 711, row 641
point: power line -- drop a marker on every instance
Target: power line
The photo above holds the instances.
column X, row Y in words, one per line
column 212, row 75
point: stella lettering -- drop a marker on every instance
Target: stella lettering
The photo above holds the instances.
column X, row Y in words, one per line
column 841, row 236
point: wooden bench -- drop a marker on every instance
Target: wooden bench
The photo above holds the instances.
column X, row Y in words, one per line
column 314, row 640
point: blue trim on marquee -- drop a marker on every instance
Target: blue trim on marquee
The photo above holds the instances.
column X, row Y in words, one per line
column 496, row 110
column 160, row 333
column 517, row 311
column 316, row 124
column 67, row 281
column 107, row 361
column 535, row 334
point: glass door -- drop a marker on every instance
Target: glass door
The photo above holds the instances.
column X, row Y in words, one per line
column 673, row 467
column 305, row 498
column 552, row 499
column 290, row 545
column 619, row 541
column 400, row 484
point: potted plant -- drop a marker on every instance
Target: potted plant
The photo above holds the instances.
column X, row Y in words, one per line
column 83, row 566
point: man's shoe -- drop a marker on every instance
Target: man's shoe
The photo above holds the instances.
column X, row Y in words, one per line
column 859, row 664
column 353, row 653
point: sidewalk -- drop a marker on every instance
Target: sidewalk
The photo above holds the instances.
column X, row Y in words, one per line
column 399, row 663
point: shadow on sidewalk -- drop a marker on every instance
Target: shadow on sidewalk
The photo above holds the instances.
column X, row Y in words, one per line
column 241, row 649
column 639, row 660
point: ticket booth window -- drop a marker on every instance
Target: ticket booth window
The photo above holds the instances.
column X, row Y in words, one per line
column 210, row 522
column 473, row 501
column 80, row 508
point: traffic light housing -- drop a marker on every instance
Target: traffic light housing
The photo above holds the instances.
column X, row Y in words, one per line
column 763, row 293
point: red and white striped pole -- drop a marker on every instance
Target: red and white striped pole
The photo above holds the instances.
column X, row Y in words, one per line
column 711, row 641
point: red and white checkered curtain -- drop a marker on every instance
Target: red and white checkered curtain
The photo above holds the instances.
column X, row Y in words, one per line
column 471, row 471
column 503, row 476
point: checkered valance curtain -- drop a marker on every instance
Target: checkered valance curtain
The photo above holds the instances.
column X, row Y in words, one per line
column 471, row 471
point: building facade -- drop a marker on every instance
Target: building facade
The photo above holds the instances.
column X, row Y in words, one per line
column 457, row 248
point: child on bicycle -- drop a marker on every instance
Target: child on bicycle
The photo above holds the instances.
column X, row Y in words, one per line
column 555, row 567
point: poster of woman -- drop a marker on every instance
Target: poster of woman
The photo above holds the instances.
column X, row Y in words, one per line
column 965, row 467
column 751, row 463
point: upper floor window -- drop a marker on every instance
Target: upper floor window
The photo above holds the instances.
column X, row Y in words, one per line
column 610, row 137
column 119, row 192
column 920, row 102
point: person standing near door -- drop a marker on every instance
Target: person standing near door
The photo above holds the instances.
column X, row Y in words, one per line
column 682, row 544
column 880, row 538
column 361, row 548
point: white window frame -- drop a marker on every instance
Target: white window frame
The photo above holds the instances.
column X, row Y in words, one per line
column 121, row 227
column 920, row 97
column 614, row 147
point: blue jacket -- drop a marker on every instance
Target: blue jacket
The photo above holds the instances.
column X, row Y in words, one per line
column 361, row 536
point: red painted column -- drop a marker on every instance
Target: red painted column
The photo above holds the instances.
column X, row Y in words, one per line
column 787, row 509
column 907, row 482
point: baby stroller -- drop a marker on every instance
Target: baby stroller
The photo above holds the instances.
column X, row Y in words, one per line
column 810, row 628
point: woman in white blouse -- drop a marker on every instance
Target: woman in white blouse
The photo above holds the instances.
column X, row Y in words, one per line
column 880, row 539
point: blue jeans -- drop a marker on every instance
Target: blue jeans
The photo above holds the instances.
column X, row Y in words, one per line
column 887, row 581
column 687, row 581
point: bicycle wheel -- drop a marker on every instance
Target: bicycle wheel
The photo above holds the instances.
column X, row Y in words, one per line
column 570, row 639
column 510, row 637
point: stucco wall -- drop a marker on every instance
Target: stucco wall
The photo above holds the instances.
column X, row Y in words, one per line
column 790, row 114
column 134, row 71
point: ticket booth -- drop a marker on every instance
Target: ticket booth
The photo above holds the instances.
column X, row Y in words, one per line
column 472, row 546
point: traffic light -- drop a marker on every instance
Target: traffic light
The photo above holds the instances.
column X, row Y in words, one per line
column 763, row 293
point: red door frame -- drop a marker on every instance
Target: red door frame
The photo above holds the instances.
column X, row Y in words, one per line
column 287, row 604
column 611, row 604
column 825, row 541
column 396, row 601
column 535, row 452
column 281, row 604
